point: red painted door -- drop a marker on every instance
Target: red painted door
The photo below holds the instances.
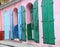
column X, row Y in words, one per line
column 1, row 35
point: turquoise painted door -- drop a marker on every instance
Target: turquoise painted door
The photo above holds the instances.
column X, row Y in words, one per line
column 23, row 24
column 11, row 24
column 48, row 22
column 6, row 32
column 19, row 23
column 35, row 19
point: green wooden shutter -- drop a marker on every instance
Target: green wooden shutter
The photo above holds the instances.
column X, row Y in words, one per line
column 35, row 18
column 23, row 24
column 48, row 22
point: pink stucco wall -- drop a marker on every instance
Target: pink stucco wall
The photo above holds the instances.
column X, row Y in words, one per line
column 56, row 20
column 15, row 20
column 24, row 3
column 0, row 21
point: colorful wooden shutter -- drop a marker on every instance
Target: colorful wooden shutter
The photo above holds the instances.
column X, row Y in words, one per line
column 6, row 32
column 11, row 24
column 23, row 24
column 48, row 22
column 35, row 18
column 19, row 23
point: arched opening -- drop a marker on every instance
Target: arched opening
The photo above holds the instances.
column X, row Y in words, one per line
column 30, row 25
column 15, row 16
column 15, row 23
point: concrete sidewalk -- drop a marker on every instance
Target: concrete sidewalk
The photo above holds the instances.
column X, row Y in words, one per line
column 15, row 44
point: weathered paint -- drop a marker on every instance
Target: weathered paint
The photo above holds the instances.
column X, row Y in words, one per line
column 56, row 9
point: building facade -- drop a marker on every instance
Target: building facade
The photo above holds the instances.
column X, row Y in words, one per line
column 34, row 21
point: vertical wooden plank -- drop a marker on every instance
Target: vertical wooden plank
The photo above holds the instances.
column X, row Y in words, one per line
column 6, row 32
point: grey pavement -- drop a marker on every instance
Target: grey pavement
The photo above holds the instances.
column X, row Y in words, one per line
column 8, row 43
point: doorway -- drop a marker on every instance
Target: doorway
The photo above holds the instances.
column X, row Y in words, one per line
column 15, row 24
column 30, row 25
column 33, row 22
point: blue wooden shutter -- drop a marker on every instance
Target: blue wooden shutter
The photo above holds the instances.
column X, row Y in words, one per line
column 48, row 22
column 35, row 18
column 23, row 24
column 11, row 24
column 6, row 32
column 19, row 23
